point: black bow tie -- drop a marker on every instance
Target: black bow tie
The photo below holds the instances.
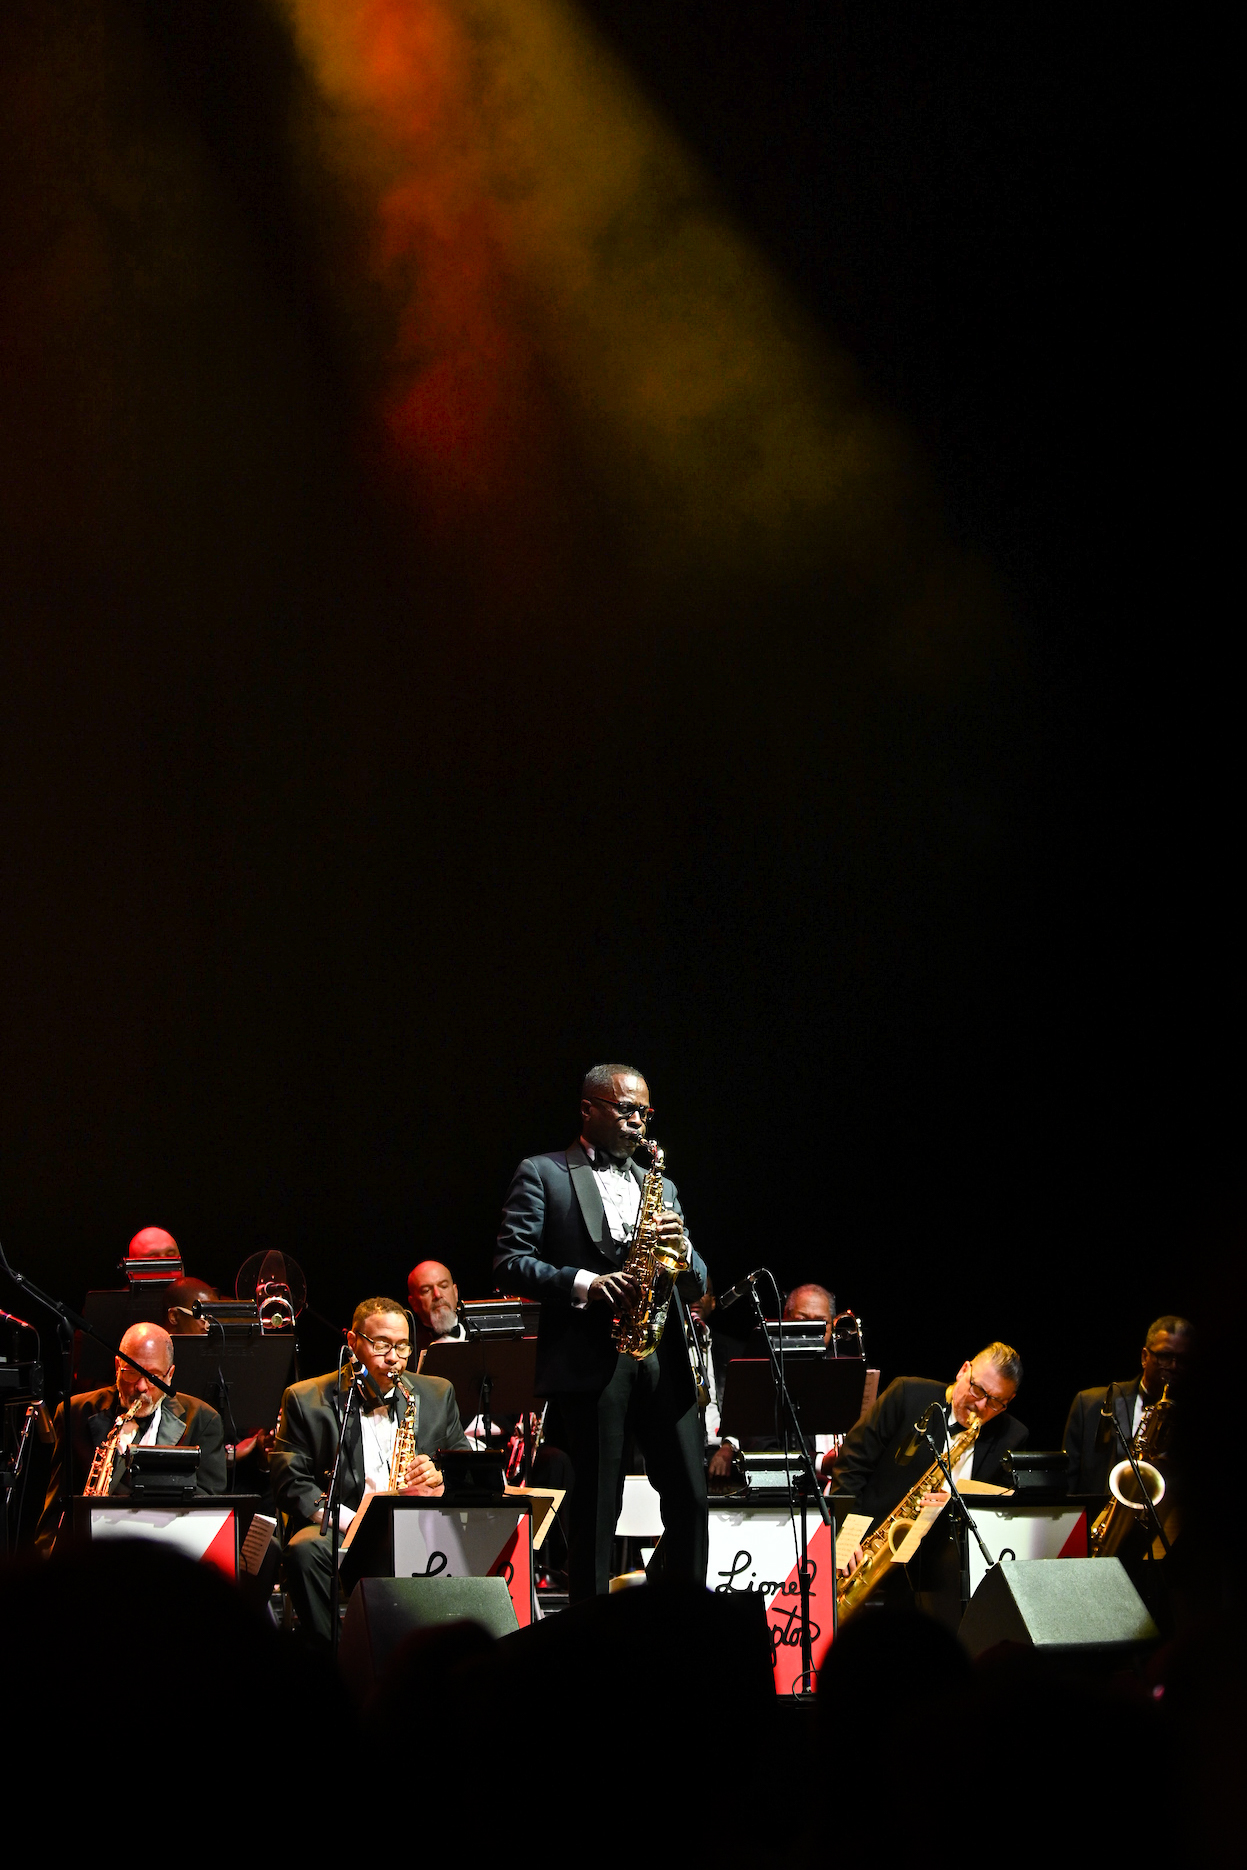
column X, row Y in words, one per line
column 619, row 1165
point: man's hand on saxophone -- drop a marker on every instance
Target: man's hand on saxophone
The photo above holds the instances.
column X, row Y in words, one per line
column 618, row 1288
column 671, row 1229
column 421, row 1476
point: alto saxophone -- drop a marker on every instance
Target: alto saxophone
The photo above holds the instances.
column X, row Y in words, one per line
column 405, row 1449
column 100, row 1479
column 654, row 1265
column 879, row 1548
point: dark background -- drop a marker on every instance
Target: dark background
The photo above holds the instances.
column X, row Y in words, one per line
column 329, row 871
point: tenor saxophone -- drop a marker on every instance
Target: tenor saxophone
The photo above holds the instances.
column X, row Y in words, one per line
column 879, row 1548
column 654, row 1265
column 100, row 1479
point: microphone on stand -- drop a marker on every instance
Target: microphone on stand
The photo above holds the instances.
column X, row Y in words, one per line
column 740, row 1290
column 1108, row 1413
column 911, row 1447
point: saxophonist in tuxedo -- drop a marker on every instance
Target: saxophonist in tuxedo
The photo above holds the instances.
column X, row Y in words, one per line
column 312, row 1414
column 566, row 1224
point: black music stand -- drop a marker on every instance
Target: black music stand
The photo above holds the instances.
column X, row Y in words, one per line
column 256, row 1370
column 488, row 1374
column 826, row 1391
column 110, row 1315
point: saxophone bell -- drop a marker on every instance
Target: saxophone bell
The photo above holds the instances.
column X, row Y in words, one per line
column 1125, row 1488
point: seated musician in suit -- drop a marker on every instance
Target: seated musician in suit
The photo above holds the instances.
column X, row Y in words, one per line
column 882, row 1458
column 307, row 1443
column 1092, row 1444
column 160, row 1421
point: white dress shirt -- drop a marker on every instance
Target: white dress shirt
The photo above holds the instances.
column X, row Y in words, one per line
column 377, row 1428
column 963, row 1467
column 145, row 1435
column 621, row 1201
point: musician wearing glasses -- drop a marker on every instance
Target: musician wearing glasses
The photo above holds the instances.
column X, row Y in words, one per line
column 1092, row 1445
column 303, row 1455
column 882, row 1458
column 133, row 1410
column 566, row 1224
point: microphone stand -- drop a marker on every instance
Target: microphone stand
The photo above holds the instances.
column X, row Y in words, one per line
column 485, row 1388
column 68, row 1321
column 804, row 1575
column 959, row 1506
column 331, row 1515
column 1108, row 1408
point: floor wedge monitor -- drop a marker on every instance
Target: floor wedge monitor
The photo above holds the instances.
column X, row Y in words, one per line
column 382, row 1611
column 1059, row 1605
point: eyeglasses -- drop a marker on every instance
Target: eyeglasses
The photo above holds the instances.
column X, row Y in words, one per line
column 988, row 1401
column 626, row 1110
column 1171, row 1360
column 382, row 1345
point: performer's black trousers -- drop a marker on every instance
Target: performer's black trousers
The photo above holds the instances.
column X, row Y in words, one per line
column 308, row 1564
column 592, row 1429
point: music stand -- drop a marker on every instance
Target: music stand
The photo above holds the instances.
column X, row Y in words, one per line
column 487, row 1374
column 826, row 1392
column 256, row 1371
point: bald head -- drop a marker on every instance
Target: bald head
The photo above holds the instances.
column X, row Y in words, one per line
column 153, row 1243
column 433, row 1296
column 152, row 1347
column 179, row 1298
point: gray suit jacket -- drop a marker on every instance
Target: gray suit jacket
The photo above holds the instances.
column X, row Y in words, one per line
column 553, row 1225
column 183, row 1420
column 307, row 1440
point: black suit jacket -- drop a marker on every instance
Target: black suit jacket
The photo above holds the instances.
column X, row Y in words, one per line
column 302, row 1459
column 1092, row 1445
column 553, row 1225
column 184, row 1420
column 867, row 1466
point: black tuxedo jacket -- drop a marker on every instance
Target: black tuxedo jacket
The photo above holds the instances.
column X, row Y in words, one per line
column 867, row 1466
column 1092, row 1445
column 553, row 1225
column 307, row 1440
column 184, row 1420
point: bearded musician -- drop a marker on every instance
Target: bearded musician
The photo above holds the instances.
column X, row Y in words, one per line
column 306, row 1447
column 139, row 1413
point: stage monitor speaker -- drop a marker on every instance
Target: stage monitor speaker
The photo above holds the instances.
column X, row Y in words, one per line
column 382, row 1611
column 1057, row 1605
